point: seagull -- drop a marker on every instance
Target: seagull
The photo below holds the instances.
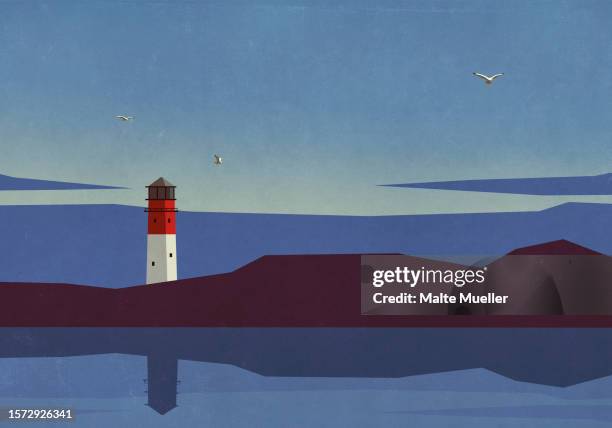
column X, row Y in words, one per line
column 218, row 160
column 488, row 79
column 125, row 118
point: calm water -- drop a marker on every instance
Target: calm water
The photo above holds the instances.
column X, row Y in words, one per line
column 106, row 388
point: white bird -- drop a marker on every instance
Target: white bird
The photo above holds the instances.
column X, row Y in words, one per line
column 488, row 79
column 218, row 160
column 124, row 118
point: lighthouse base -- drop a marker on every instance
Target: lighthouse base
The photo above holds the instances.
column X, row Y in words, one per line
column 161, row 258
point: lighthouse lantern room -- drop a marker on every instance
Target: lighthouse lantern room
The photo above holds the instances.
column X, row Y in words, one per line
column 161, row 237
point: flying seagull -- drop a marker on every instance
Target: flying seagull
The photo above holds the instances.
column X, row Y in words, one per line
column 488, row 79
column 125, row 118
column 218, row 160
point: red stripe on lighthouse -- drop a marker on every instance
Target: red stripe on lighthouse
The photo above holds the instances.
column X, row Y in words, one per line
column 162, row 217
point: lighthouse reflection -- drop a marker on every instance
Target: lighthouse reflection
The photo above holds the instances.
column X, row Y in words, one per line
column 162, row 382
column 531, row 355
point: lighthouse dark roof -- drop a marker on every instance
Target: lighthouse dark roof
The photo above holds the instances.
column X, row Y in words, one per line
column 161, row 182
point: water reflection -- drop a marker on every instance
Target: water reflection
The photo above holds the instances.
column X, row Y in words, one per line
column 162, row 382
column 545, row 356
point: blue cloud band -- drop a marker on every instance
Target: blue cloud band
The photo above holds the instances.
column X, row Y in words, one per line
column 15, row 183
column 578, row 185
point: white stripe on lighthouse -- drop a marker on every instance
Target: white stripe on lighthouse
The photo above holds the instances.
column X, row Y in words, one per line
column 161, row 258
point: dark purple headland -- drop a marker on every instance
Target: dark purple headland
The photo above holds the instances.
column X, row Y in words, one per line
column 559, row 247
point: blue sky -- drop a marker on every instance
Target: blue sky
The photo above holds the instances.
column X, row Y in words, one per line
column 312, row 104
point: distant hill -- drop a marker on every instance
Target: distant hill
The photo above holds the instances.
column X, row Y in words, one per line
column 552, row 278
column 105, row 245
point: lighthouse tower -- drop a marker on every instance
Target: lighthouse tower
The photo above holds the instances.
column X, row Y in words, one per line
column 161, row 237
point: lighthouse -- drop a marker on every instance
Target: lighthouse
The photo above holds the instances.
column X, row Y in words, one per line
column 161, row 236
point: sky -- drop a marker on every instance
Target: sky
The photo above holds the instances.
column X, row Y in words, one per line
column 311, row 104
